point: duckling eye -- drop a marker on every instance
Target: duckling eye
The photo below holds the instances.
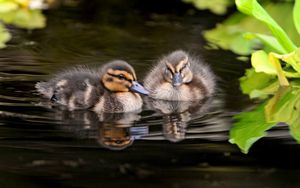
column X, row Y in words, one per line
column 168, row 73
column 185, row 66
column 121, row 76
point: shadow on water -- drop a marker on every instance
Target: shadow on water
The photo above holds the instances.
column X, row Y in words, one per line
column 165, row 144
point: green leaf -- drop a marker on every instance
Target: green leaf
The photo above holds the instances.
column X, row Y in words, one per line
column 269, row 41
column 215, row 6
column 260, row 62
column 283, row 107
column 8, row 6
column 287, row 110
column 7, row 17
column 271, row 104
column 29, row 19
column 296, row 15
column 295, row 130
column 292, row 59
column 4, row 36
column 265, row 92
column 24, row 18
column 251, row 7
column 229, row 35
column 280, row 73
column 255, row 81
column 248, row 128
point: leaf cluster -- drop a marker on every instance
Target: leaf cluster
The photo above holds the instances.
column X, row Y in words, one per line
column 20, row 13
column 275, row 74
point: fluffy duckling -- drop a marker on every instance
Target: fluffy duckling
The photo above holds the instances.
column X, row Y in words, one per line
column 180, row 77
column 111, row 89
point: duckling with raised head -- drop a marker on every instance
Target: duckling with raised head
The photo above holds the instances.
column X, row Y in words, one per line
column 112, row 88
column 179, row 76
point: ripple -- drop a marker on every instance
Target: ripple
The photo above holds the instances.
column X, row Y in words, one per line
column 23, row 72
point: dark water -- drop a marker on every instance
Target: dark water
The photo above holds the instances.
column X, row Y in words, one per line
column 186, row 146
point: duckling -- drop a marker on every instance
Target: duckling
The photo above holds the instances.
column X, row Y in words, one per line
column 113, row 88
column 180, row 77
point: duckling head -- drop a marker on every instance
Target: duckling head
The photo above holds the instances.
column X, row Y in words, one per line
column 119, row 76
column 177, row 68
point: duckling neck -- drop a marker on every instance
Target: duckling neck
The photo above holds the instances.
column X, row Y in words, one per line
column 118, row 102
column 184, row 92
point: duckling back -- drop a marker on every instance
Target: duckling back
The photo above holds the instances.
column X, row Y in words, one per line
column 78, row 88
column 179, row 76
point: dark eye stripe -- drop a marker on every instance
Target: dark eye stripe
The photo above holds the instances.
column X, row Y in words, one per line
column 183, row 67
column 170, row 70
column 118, row 76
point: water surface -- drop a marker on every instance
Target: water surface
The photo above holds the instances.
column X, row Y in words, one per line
column 46, row 146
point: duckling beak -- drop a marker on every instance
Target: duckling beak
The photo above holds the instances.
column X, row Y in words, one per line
column 137, row 87
column 177, row 79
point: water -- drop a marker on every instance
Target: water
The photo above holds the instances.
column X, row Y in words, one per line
column 46, row 146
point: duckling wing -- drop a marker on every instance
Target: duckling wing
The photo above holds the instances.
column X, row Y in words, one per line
column 45, row 88
column 204, row 77
column 77, row 89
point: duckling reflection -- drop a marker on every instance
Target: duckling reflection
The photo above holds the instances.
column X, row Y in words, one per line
column 114, row 137
column 113, row 131
column 176, row 115
column 174, row 127
column 117, row 131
